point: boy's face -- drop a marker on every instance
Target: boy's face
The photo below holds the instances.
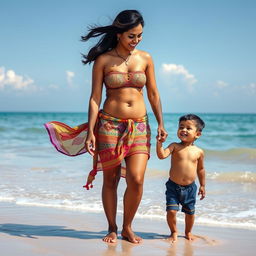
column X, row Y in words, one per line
column 187, row 131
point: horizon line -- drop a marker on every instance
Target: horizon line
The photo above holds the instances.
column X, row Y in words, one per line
column 149, row 112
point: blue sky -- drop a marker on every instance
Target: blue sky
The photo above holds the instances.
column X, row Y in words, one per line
column 204, row 53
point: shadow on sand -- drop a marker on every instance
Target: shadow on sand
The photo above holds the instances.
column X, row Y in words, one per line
column 35, row 231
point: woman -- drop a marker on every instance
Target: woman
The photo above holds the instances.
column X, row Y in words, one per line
column 120, row 131
column 124, row 70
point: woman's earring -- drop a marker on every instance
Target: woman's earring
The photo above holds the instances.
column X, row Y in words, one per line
column 117, row 39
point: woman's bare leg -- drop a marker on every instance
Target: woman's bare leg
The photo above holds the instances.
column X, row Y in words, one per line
column 109, row 200
column 135, row 170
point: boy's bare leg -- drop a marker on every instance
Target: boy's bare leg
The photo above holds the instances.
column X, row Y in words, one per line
column 109, row 200
column 172, row 223
column 189, row 222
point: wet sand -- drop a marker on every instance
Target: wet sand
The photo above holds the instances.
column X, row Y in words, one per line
column 29, row 230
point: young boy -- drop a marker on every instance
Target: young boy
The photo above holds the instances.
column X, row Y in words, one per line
column 187, row 163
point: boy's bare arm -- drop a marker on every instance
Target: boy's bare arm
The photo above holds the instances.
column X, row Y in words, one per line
column 161, row 152
column 201, row 176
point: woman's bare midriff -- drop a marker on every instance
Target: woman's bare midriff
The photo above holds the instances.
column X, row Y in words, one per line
column 125, row 103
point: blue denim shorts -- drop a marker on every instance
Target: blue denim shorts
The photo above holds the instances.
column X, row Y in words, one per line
column 184, row 195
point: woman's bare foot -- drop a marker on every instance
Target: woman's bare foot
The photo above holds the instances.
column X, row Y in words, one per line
column 189, row 236
column 173, row 237
column 128, row 235
column 111, row 237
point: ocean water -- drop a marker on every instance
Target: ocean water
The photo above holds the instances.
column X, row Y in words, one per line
column 34, row 173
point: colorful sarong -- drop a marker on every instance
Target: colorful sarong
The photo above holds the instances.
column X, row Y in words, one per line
column 115, row 139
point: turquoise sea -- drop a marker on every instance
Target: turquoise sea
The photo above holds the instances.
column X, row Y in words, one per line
column 34, row 173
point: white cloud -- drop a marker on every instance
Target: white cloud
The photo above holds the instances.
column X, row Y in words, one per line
column 9, row 79
column 180, row 71
column 249, row 89
column 221, row 88
column 70, row 75
column 252, row 88
column 221, row 84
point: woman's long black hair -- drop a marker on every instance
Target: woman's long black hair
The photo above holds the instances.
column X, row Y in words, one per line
column 124, row 21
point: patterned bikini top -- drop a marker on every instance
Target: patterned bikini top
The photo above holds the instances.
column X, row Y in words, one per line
column 117, row 79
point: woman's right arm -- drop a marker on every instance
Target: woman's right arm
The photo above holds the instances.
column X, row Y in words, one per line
column 94, row 102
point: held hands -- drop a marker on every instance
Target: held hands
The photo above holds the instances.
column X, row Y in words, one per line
column 201, row 192
column 161, row 134
column 90, row 143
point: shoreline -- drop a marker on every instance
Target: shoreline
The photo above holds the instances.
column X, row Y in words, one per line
column 39, row 231
column 138, row 216
column 201, row 222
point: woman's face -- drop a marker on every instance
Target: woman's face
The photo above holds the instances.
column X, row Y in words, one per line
column 131, row 38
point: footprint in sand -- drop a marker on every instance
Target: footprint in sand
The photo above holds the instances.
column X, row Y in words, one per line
column 200, row 241
column 204, row 241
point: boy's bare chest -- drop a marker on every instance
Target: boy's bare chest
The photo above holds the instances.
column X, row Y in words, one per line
column 187, row 154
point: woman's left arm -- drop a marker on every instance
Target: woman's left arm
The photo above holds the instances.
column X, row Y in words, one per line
column 154, row 98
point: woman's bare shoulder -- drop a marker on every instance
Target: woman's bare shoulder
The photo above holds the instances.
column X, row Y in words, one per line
column 104, row 59
column 144, row 54
column 146, row 57
column 109, row 55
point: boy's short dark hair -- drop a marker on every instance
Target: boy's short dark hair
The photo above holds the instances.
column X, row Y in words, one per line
column 199, row 122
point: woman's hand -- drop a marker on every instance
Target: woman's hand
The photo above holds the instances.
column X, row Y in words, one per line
column 161, row 133
column 90, row 143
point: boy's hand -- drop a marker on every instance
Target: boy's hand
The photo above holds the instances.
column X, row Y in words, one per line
column 201, row 192
column 161, row 134
column 158, row 140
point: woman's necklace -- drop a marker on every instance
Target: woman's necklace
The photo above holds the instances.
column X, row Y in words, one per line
column 125, row 59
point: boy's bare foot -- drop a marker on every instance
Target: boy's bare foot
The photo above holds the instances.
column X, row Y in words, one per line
column 111, row 237
column 189, row 236
column 128, row 235
column 173, row 237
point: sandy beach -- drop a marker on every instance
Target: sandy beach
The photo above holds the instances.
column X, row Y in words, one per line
column 29, row 230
